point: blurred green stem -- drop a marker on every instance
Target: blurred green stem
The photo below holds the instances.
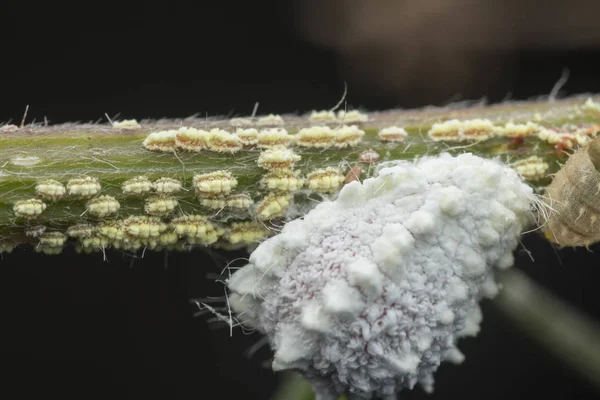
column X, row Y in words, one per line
column 566, row 333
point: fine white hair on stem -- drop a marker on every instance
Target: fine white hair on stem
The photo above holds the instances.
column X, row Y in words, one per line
column 564, row 77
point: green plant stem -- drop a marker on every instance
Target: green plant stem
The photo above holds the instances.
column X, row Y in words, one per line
column 566, row 333
column 113, row 155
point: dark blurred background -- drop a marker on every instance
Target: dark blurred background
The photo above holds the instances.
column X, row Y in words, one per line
column 76, row 326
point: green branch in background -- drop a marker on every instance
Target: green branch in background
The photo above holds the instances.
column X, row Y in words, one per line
column 174, row 184
column 567, row 334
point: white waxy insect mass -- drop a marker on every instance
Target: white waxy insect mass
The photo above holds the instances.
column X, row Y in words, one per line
column 368, row 293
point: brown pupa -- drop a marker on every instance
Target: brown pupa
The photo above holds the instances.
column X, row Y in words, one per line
column 574, row 199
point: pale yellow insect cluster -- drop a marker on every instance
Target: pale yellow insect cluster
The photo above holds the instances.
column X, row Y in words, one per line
column 392, row 134
column 35, row 231
column 352, row 116
column 111, row 229
column 591, row 105
column 51, row 243
column 80, row 231
column 482, row 129
column 446, row 131
column 191, row 139
column 127, row 124
column 348, row 135
column 92, row 243
column 212, row 184
column 214, row 203
column 137, row 186
column 273, row 205
column 273, row 137
column 50, row 189
column 160, row 205
column 322, row 116
column 139, row 231
column 315, row 136
column 217, row 140
column 270, row 120
column 83, row 187
column 246, row 232
column 282, row 180
column 248, row 136
column 239, row 201
column 278, row 157
column 53, row 239
column 163, row 141
column 477, row 129
column 240, row 122
column 531, row 168
column 221, row 141
column 564, row 140
column 166, row 186
column 164, row 240
column 103, row 206
column 327, row 180
column 49, row 251
column 512, row 130
column 456, row 130
column 6, row 247
column 196, row 229
column 142, row 227
column 132, row 234
column 30, row 208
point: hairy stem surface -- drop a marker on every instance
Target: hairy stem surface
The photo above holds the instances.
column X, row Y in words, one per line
column 113, row 154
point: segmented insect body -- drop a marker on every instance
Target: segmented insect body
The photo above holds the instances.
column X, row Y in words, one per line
column 574, row 197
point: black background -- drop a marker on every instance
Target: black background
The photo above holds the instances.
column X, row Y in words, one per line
column 75, row 326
